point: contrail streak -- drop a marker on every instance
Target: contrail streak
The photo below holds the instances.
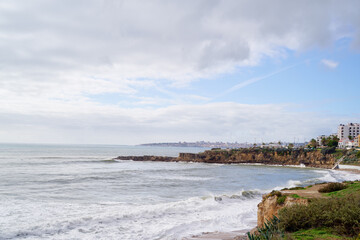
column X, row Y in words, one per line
column 256, row 79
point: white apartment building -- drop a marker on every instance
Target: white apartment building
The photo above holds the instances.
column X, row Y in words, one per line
column 319, row 138
column 351, row 129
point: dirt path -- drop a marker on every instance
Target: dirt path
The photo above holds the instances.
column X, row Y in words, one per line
column 311, row 192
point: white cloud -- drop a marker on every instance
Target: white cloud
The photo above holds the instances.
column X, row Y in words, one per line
column 87, row 122
column 54, row 54
column 329, row 63
column 178, row 41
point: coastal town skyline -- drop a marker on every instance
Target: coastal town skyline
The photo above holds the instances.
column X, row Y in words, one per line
column 130, row 72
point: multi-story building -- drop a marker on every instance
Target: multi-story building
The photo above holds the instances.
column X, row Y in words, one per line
column 319, row 139
column 349, row 131
column 357, row 141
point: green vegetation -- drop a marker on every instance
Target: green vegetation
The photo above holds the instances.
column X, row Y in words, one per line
column 332, row 187
column 297, row 188
column 331, row 141
column 216, row 149
column 340, row 214
column 270, row 230
column 351, row 188
column 281, row 199
column 336, row 217
column 296, row 196
column 352, row 157
column 328, row 150
column 274, row 192
column 313, row 143
column 313, row 234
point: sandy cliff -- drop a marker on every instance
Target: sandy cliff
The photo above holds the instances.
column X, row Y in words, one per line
column 269, row 207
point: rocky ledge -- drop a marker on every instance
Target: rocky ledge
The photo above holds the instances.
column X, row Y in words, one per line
column 251, row 156
column 271, row 203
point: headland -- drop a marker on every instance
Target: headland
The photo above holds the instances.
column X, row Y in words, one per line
column 283, row 157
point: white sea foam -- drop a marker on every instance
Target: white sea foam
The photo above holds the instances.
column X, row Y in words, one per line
column 172, row 220
column 79, row 198
column 342, row 166
column 181, row 178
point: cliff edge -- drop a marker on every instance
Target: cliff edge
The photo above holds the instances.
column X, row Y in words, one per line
column 285, row 157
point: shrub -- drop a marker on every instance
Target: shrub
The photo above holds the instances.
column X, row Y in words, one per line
column 328, row 150
column 274, row 192
column 296, row 188
column 270, row 230
column 332, row 187
column 295, row 196
column 281, row 199
column 340, row 214
column 358, row 154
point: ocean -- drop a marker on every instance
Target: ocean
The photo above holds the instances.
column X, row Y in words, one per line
column 80, row 192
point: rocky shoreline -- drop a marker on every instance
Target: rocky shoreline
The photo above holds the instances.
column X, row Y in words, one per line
column 283, row 157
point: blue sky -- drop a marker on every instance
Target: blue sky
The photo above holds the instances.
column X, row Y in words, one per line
column 131, row 72
column 301, row 79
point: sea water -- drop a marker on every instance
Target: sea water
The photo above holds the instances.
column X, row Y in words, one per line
column 79, row 192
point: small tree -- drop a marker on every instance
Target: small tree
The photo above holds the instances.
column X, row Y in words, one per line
column 324, row 141
column 313, row 143
column 333, row 141
column 291, row 145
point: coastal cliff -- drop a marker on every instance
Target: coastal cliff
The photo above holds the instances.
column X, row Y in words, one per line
column 252, row 156
column 272, row 203
column 320, row 211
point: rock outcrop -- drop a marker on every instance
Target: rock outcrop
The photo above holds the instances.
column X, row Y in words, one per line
column 269, row 207
column 148, row 158
column 252, row 156
column 271, row 204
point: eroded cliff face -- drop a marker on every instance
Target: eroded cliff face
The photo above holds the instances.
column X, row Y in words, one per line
column 269, row 207
column 309, row 159
column 298, row 157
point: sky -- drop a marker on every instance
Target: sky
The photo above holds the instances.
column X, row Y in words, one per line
column 131, row 72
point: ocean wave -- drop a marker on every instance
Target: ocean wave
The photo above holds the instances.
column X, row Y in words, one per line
column 326, row 176
column 173, row 220
column 182, row 178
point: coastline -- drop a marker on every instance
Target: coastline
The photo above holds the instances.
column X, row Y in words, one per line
column 242, row 234
column 280, row 157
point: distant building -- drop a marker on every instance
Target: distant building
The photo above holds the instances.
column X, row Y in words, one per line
column 319, row 138
column 357, row 141
column 351, row 130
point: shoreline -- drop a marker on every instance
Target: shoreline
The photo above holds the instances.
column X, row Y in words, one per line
column 281, row 157
column 303, row 160
column 242, row 234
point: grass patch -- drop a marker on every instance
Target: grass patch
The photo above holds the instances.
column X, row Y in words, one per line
column 275, row 193
column 297, row 188
column 281, row 199
column 332, row 187
column 340, row 214
column 352, row 187
column 318, row 233
column 296, row 196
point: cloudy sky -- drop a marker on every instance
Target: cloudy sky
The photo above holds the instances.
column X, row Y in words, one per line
column 129, row 72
